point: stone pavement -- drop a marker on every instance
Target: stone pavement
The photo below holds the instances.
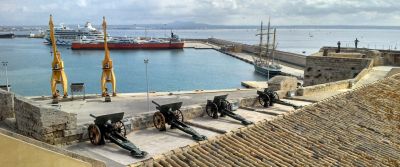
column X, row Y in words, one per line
column 156, row 142
column 136, row 103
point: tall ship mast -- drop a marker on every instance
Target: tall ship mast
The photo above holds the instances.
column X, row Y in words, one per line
column 264, row 63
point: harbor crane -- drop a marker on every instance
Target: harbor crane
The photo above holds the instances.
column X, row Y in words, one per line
column 108, row 72
column 58, row 75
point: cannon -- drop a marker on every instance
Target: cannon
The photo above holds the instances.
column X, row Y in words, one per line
column 223, row 107
column 110, row 127
column 170, row 114
column 268, row 97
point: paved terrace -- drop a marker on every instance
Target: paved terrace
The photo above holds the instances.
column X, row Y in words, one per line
column 136, row 103
column 357, row 128
column 156, row 143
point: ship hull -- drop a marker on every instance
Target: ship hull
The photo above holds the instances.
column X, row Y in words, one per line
column 10, row 35
column 267, row 71
column 100, row 46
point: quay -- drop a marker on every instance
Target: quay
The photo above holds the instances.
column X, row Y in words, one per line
column 344, row 97
column 292, row 64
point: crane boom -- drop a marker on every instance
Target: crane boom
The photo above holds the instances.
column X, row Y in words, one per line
column 58, row 74
column 108, row 72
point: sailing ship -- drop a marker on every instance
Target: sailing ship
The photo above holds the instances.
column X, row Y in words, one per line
column 265, row 62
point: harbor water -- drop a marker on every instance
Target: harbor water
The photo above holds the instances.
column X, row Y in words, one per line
column 29, row 68
column 29, row 60
column 300, row 41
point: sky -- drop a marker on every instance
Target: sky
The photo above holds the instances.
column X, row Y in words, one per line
column 217, row 12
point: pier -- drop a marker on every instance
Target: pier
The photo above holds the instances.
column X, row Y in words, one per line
column 292, row 64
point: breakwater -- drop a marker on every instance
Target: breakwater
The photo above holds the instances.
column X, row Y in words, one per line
column 287, row 57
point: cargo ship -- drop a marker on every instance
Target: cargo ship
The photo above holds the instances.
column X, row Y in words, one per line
column 129, row 43
column 8, row 35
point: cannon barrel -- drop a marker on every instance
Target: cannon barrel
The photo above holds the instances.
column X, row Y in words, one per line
column 158, row 105
column 92, row 115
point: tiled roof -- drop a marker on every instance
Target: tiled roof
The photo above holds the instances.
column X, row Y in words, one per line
column 356, row 128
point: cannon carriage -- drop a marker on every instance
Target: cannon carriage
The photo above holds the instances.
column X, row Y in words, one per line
column 268, row 98
column 219, row 106
column 110, row 127
column 172, row 115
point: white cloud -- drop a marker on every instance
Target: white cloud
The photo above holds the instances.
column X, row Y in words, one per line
column 287, row 12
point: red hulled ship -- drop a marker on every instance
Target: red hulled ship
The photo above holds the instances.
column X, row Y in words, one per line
column 128, row 43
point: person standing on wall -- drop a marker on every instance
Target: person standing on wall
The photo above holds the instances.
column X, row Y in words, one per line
column 356, row 42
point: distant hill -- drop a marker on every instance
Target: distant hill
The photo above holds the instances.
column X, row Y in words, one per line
column 195, row 25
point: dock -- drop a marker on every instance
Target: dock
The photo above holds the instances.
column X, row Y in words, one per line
column 255, row 84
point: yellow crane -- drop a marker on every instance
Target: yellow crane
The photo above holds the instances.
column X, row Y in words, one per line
column 108, row 72
column 58, row 76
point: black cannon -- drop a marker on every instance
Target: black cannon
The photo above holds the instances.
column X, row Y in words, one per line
column 268, row 97
column 170, row 113
column 223, row 107
column 110, row 127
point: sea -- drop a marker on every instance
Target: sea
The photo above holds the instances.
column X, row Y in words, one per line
column 29, row 60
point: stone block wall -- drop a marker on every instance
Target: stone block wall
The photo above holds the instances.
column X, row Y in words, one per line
column 380, row 57
column 45, row 123
column 327, row 87
column 6, row 105
column 321, row 70
column 283, row 83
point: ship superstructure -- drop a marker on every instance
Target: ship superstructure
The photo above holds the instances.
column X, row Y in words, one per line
column 66, row 35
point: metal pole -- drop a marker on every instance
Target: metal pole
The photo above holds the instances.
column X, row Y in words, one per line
column 5, row 64
column 146, row 61
column 165, row 30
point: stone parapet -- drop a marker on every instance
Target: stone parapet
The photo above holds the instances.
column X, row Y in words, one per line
column 6, row 105
column 320, row 70
column 44, row 123
column 327, row 87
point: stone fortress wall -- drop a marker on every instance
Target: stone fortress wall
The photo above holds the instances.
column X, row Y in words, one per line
column 381, row 57
column 321, row 69
column 44, row 123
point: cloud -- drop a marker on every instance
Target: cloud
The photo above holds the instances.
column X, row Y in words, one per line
column 237, row 12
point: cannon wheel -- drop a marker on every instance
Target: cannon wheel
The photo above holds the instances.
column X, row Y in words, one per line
column 178, row 114
column 276, row 96
column 264, row 103
column 94, row 134
column 211, row 109
column 120, row 127
column 159, row 121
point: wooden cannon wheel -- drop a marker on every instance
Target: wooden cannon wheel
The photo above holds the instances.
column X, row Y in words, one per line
column 120, row 128
column 94, row 134
column 159, row 121
column 212, row 110
column 178, row 114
